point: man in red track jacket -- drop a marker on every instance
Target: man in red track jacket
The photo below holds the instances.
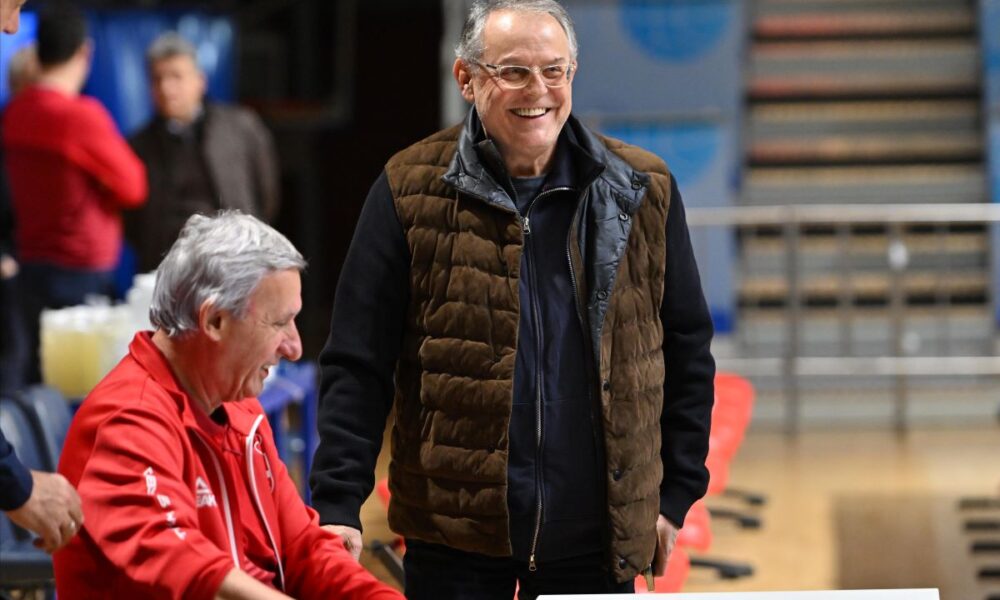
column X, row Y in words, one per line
column 175, row 462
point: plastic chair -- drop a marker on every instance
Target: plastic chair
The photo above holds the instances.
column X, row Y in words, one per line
column 50, row 415
column 731, row 414
column 23, row 566
column 734, row 400
column 697, row 535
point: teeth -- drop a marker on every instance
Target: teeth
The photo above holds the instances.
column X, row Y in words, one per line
column 530, row 112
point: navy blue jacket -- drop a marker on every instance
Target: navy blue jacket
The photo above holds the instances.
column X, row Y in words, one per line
column 15, row 478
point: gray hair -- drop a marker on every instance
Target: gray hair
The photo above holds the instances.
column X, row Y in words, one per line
column 220, row 260
column 470, row 46
column 169, row 45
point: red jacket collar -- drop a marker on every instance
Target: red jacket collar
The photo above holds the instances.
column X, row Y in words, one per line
column 240, row 413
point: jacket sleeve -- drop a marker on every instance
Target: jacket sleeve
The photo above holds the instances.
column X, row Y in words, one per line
column 140, row 513
column 105, row 154
column 688, row 387
column 315, row 562
column 15, row 478
column 358, row 361
column 265, row 168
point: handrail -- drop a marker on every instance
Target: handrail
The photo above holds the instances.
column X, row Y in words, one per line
column 791, row 219
column 837, row 366
column 844, row 213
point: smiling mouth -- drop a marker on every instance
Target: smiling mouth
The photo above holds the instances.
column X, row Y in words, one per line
column 530, row 113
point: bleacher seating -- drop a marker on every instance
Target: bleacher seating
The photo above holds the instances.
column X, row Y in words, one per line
column 23, row 566
column 49, row 413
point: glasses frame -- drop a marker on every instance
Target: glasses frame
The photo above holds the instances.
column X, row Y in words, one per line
column 494, row 71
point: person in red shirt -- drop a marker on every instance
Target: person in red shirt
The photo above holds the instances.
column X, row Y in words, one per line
column 70, row 174
column 172, row 454
column 44, row 503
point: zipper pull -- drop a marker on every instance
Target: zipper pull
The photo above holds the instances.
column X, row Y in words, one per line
column 531, row 563
column 525, row 226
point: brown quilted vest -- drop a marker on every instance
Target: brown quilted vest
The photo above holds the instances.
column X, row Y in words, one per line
column 448, row 473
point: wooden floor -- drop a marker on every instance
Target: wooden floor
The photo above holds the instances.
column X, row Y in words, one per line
column 847, row 510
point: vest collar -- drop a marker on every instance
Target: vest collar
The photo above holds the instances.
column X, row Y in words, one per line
column 477, row 167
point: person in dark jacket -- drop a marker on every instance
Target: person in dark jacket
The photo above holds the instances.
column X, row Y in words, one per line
column 523, row 294
column 200, row 157
column 44, row 503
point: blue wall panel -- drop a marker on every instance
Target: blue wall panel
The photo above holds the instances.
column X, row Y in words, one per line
column 990, row 30
column 9, row 44
column 118, row 75
column 651, row 57
column 666, row 75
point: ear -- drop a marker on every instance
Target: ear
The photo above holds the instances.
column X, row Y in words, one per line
column 211, row 321
column 86, row 50
column 463, row 77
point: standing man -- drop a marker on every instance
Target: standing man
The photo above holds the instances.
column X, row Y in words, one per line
column 524, row 291
column 71, row 174
column 199, row 156
column 44, row 503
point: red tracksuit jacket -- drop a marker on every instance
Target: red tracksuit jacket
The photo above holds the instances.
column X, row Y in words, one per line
column 173, row 500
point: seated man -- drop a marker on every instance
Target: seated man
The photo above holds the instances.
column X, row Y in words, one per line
column 173, row 457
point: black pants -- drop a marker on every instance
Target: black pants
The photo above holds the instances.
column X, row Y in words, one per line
column 436, row 572
column 13, row 339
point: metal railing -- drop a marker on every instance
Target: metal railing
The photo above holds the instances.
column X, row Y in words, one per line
column 790, row 221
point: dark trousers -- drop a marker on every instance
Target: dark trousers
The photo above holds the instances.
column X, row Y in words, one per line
column 13, row 339
column 436, row 572
column 49, row 286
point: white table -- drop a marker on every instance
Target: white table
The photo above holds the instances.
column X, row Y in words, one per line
column 924, row 594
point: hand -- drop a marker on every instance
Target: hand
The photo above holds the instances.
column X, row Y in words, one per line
column 8, row 266
column 52, row 511
column 351, row 537
column 666, row 537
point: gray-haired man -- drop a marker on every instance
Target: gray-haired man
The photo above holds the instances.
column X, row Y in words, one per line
column 523, row 293
column 200, row 156
column 172, row 453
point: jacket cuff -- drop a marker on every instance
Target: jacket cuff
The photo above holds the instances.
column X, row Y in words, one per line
column 676, row 506
column 338, row 513
column 17, row 482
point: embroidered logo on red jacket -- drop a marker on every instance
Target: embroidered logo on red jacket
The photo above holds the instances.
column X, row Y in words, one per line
column 203, row 494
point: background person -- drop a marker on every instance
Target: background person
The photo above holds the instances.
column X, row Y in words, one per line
column 70, row 173
column 44, row 503
column 200, row 156
column 22, row 71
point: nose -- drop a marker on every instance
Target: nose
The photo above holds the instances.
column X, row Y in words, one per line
column 291, row 346
column 13, row 22
column 536, row 85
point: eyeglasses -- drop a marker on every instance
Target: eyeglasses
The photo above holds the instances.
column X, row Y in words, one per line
column 515, row 77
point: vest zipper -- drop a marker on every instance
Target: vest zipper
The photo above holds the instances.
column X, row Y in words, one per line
column 539, row 379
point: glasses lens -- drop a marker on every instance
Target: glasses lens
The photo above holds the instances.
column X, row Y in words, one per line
column 513, row 75
column 554, row 75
